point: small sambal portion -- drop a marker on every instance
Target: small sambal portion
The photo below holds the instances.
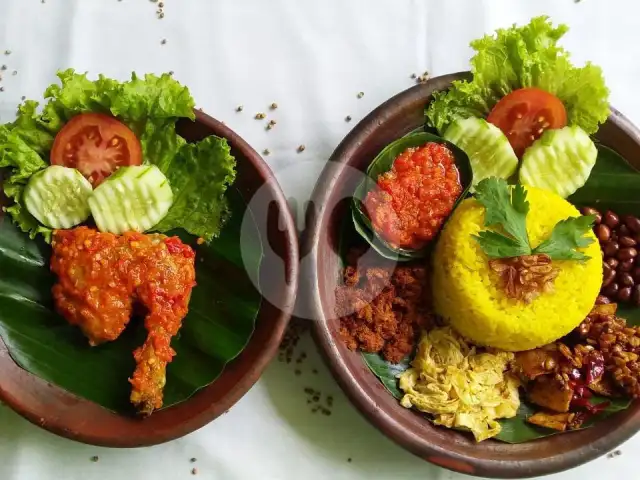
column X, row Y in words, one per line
column 413, row 199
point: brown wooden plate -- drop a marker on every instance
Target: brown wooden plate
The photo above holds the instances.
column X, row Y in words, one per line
column 446, row 448
column 65, row 414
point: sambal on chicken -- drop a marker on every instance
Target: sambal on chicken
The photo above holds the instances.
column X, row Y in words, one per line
column 102, row 277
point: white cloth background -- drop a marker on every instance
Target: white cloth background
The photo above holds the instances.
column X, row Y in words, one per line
column 312, row 58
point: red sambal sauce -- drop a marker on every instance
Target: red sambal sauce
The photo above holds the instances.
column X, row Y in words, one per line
column 415, row 197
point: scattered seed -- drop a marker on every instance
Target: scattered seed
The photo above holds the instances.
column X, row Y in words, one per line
column 95, row 458
column 15, row 72
column 7, row 52
column 414, row 76
column 271, row 124
column 360, row 94
column 161, row 15
column 347, row 118
column 193, row 460
column 154, row 1
column 301, row 148
column 1, row 89
column 3, row 67
column 163, row 41
column 171, row 72
column 194, row 471
column 161, row 5
column 266, row 152
column 273, row 106
column 200, row 241
column 239, row 108
column 23, row 98
column 260, row 116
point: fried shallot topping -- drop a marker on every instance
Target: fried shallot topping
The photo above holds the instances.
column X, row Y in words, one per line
column 524, row 278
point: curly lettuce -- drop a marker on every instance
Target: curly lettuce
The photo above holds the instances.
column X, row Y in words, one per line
column 150, row 106
column 199, row 205
column 520, row 57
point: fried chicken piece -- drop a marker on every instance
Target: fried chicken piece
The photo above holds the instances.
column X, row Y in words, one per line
column 102, row 276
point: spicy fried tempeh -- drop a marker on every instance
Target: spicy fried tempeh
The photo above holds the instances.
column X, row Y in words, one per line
column 102, row 276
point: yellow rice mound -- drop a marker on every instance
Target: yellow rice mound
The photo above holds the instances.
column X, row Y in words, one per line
column 470, row 296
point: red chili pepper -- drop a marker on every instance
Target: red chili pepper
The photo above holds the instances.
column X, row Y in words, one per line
column 594, row 367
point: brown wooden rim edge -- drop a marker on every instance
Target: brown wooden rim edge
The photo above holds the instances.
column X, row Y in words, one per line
column 204, row 416
column 323, row 337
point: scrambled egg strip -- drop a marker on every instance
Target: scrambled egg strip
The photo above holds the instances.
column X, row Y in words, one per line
column 459, row 387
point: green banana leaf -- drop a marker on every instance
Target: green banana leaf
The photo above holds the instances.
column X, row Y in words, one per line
column 613, row 184
column 383, row 163
column 220, row 322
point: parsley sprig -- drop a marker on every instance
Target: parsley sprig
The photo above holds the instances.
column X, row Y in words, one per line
column 506, row 212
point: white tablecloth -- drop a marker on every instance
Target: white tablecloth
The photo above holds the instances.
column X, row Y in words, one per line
column 312, row 58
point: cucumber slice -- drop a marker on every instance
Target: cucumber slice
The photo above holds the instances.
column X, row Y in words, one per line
column 132, row 199
column 560, row 160
column 58, row 197
column 489, row 151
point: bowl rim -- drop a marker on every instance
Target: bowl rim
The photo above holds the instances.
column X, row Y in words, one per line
column 197, row 411
column 324, row 336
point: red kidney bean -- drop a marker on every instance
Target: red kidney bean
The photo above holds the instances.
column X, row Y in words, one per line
column 633, row 223
column 635, row 296
column 625, row 266
column 603, row 233
column 636, row 274
column 623, row 230
column 627, row 254
column 625, row 279
column 611, row 219
column 608, row 274
column 611, row 290
column 612, row 262
column 624, row 294
column 594, row 212
column 610, row 249
column 627, row 242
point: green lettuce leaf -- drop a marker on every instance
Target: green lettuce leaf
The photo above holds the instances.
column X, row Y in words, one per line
column 150, row 106
column 199, row 176
column 521, row 57
column 21, row 147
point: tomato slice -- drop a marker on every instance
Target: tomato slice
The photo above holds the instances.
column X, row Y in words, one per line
column 525, row 114
column 97, row 145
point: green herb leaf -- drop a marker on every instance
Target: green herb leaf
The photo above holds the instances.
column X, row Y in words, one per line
column 566, row 236
column 497, row 245
column 520, row 57
column 506, row 208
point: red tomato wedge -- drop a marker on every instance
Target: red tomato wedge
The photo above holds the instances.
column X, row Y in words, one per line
column 96, row 145
column 525, row 114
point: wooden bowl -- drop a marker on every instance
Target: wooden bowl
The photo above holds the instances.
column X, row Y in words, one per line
column 67, row 415
column 446, row 448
